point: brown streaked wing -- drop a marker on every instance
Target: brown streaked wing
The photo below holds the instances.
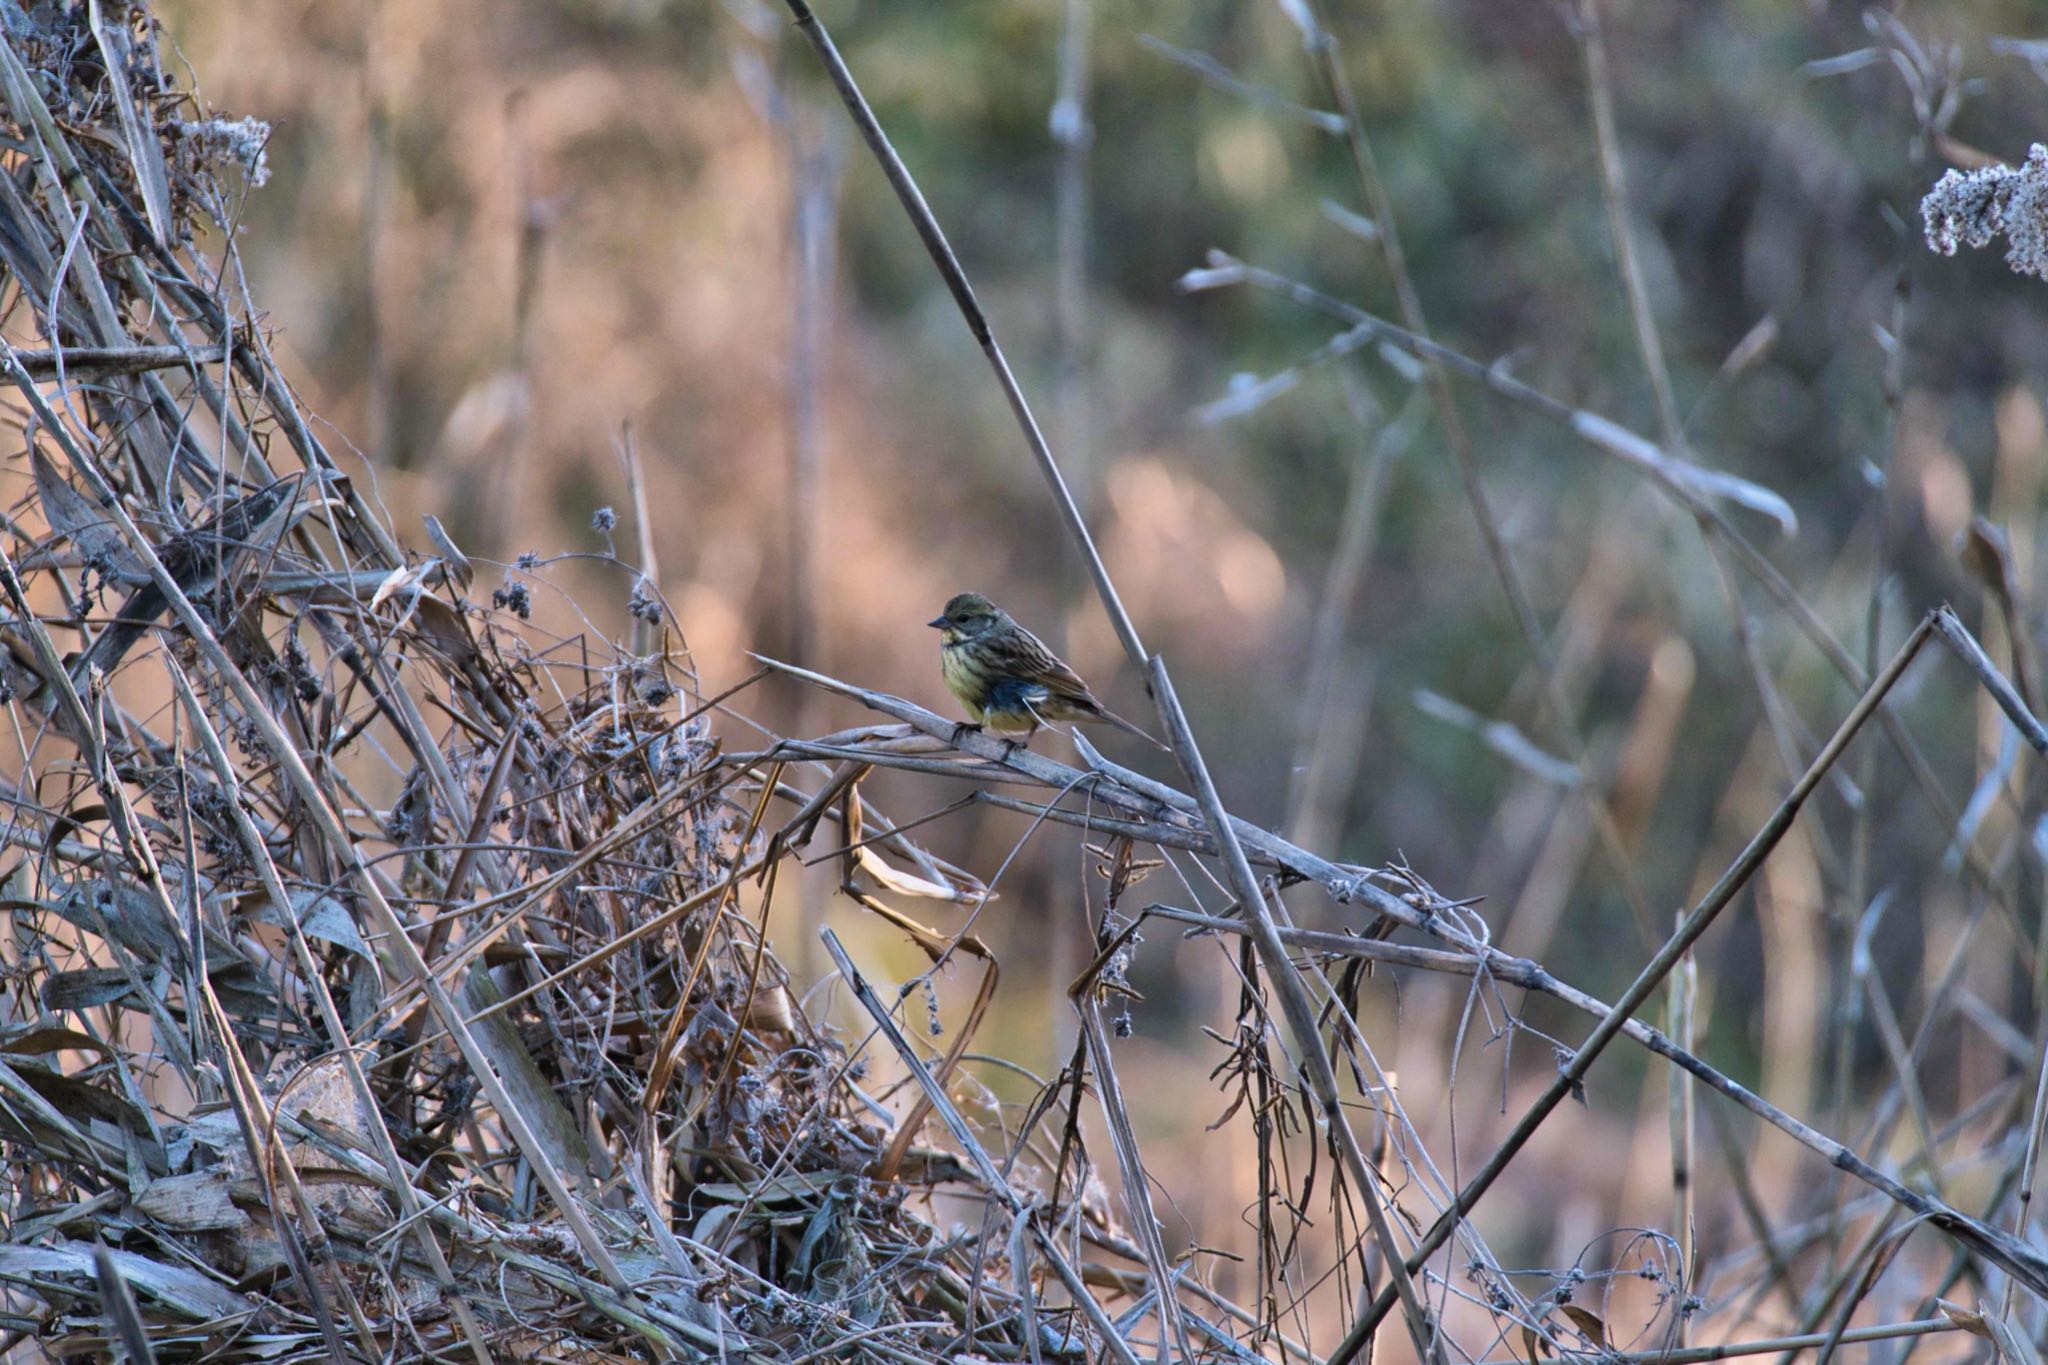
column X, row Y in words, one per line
column 1036, row 662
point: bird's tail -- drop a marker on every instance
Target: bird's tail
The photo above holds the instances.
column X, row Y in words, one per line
column 1120, row 723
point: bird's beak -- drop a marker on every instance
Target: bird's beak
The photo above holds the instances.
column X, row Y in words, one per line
column 938, row 623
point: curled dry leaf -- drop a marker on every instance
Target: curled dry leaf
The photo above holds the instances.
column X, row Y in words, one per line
column 1588, row 1322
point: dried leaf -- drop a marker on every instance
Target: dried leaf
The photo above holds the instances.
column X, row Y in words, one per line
column 1587, row 1322
column 196, row 561
column 83, row 988
column 711, row 1228
column 128, row 916
column 23, row 1104
column 22, row 245
column 905, row 884
column 176, row 1287
column 443, row 627
column 199, row 1201
column 794, row 1188
column 556, row 1129
column 33, row 1039
column 320, row 916
column 771, row 1011
column 73, row 516
column 1987, row 553
column 393, row 581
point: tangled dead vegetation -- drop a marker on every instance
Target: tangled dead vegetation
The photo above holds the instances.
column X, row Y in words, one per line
column 382, row 980
column 385, row 978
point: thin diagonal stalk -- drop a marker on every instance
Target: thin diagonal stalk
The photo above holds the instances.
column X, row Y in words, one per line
column 1670, row 474
column 1300, row 1014
column 1614, row 192
column 1297, row 1009
column 941, row 251
column 2013, row 1255
column 992, row 1179
column 1557, row 707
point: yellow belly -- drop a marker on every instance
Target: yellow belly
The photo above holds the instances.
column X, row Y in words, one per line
column 962, row 680
column 969, row 686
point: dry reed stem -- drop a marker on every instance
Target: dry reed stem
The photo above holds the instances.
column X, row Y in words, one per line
column 415, row 1034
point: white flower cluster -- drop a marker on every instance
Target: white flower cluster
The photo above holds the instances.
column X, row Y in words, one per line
column 1970, row 208
column 221, row 142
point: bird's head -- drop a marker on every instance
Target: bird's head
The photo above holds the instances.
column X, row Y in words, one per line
column 967, row 615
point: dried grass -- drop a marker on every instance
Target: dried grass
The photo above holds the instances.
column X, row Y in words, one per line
column 380, row 976
column 385, row 979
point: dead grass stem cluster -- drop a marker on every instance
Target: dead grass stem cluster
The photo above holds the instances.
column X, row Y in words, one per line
column 384, row 978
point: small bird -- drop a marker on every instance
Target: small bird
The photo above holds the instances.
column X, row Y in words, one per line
column 1006, row 678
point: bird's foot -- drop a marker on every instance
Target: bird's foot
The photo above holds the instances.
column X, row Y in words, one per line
column 965, row 727
column 1011, row 746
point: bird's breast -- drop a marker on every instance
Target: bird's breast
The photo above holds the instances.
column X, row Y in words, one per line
column 963, row 677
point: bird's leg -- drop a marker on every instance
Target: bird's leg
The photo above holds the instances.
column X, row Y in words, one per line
column 963, row 728
column 1011, row 746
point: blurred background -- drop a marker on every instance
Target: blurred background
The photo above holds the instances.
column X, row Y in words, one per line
column 499, row 241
